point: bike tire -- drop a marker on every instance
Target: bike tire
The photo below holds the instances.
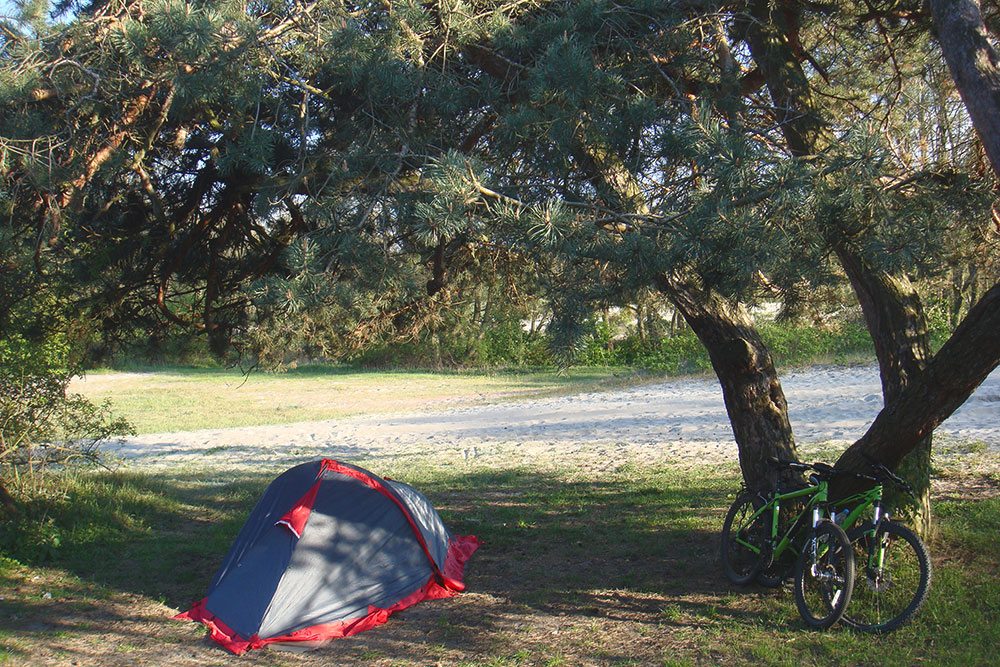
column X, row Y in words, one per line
column 741, row 563
column 824, row 576
column 886, row 598
column 777, row 573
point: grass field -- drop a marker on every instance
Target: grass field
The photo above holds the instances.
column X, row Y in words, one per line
column 576, row 569
column 183, row 399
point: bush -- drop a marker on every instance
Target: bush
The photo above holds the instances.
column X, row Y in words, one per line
column 32, row 539
column 680, row 353
column 795, row 344
column 42, row 426
column 503, row 344
column 789, row 344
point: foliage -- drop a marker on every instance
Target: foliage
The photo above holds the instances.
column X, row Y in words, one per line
column 791, row 344
column 499, row 345
column 42, row 427
column 608, row 342
column 347, row 179
column 797, row 345
column 375, row 166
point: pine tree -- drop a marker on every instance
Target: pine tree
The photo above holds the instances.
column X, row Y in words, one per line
column 355, row 172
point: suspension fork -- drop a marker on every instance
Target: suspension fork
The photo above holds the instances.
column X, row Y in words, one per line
column 876, row 554
column 817, row 516
column 814, row 542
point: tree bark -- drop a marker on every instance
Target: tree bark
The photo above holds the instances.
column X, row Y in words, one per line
column 974, row 65
column 772, row 36
column 930, row 397
column 7, row 502
column 896, row 321
column 892, row 309
column 755, row 401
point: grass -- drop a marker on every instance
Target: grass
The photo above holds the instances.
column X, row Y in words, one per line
column 578, row 568
column 575, row 570
column 183, row 399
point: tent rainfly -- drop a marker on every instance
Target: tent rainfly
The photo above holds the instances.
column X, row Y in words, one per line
column 329, row 551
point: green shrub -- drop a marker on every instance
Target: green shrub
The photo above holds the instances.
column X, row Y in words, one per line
column 796, row 344
column 503, row 344
column 789, row 344
column 31, row 539
column 41, row 425
column 680, row 353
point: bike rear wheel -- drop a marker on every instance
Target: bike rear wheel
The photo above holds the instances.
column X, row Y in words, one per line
column 824, row 576
column 744, row 542
column 886, row 596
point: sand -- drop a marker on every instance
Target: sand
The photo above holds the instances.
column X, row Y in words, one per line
column 678, row 420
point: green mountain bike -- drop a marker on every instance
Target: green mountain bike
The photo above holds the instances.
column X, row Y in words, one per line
column 754, row 537
column 895, row 567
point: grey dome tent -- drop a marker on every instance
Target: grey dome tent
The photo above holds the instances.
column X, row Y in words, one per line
column 330, row 550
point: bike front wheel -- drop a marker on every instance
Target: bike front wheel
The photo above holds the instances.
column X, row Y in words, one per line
column 894, row 577
column 824, row 576
column 744, row 539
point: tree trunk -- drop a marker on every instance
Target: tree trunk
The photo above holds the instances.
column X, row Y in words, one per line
column 957, row 295
column 930, row 397
column 898, row 327
column 640, row 328
column 892, row 309
column 751, row 388
column 755, row 401
column 7, row 502
column 772, row 35
column 674, row 322
column 974, row 65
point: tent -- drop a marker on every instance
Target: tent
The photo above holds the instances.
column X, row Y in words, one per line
column 330, row 550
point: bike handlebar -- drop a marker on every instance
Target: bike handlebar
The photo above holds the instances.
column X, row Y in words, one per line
column 824, row 470
column 782, row 464
column 881, row 472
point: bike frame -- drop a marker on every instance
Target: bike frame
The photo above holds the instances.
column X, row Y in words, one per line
column 818, row 495
column 862, row 501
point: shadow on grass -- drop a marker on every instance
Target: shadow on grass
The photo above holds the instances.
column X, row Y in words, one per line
column 618, row 568
column 626, row 549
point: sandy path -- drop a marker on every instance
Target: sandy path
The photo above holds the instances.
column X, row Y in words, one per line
column 680, row 420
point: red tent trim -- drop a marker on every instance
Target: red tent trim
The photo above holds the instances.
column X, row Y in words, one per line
column 295, row 519
column 459, row 551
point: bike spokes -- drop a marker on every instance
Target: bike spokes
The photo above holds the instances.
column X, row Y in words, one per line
column 894, row 576
column 824, row 576
column 744, row 540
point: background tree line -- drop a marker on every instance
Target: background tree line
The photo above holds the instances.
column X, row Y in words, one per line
column 361, row 173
